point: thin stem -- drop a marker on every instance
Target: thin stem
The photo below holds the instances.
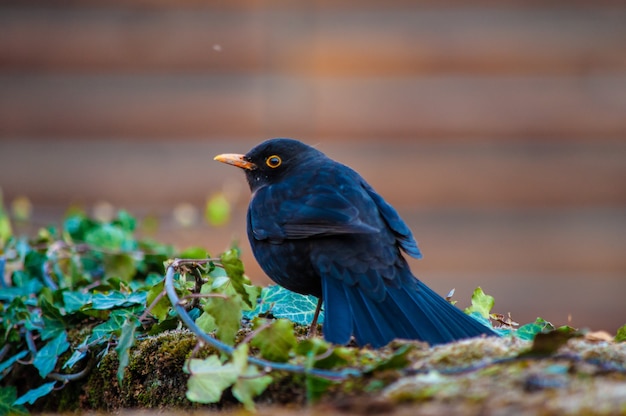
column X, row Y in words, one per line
column 227, row 349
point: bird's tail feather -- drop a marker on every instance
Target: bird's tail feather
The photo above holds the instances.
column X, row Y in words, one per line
column 408, row 311
column 436, row 320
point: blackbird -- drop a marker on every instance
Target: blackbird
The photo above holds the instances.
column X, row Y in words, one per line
column 317, row 228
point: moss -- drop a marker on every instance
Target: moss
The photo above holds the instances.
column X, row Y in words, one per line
column 566, row 383
column 154, row 377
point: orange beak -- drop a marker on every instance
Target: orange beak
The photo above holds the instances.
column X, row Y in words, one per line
column 235, row 160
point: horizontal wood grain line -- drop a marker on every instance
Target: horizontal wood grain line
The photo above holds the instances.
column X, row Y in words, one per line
column 411, row 175
column 214, row 106
column 315, row 42
column 317, row 4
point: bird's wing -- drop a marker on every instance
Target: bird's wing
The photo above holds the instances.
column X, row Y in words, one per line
column 400, row 230
column 320, row 212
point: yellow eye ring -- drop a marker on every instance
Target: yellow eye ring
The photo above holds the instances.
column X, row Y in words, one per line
column 273, row 161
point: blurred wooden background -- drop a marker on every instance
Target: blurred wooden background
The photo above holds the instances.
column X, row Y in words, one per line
column 497, row 129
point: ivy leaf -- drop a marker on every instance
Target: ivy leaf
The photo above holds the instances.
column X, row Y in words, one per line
column 250, row 383
column 120, row 265
column 8, row 396
column 113, row 299
column 194, row 253
column 125, row 221
column 125, row 342
column 31, row 396
column 311, row 349
column 51, row 328
column 234, row 269
column 621, row 334
column 398, row 360
column 206, row 322
column 529, row 331
column 74, row 300
column 316, row 352
column 47, row 357
column 209, row 378
column 8, row 363
column 107, row 236
column 481, row 303
column 276, row 341
column 107, row 329
column 547, row 343
column 316, row 387
column 76, row 225
column 286, row 304
column 162, row 307
column 79, row 353
column 227, row 315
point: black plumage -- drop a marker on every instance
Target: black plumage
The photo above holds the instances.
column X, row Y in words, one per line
column 317, row 228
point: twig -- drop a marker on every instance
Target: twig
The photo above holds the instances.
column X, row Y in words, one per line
column 254, row 333
column 227, row 349
column 66, row 378
column 156, row 300
column 3, row 262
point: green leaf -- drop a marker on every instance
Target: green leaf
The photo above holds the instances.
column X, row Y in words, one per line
column 399, row 360
column 125, row 342
column 47, row 357
column 113, row 299
column 8, row 396
column 209, row 378
column 5, row 228
column 548, row 343
column 34, row 262
column 217, row 210
column 206, row 322
column 276, row 341
column 286, row 304
column 79, row 353
column 316, row 351
column 250, row 382
column 8, row 363
column 227, row 315
column 316, row 387
column 621, row 334
column 481, row 303
column 234, row 269
column 108, row 237
column 529, row 331
column 125, row 221
column 107, row 329
column 76, row 225
column 74, row 300
column 194, row 253
column 161, row 309
column 120, row 265
column 311, row 349
column 51, row 328
column 31, row 396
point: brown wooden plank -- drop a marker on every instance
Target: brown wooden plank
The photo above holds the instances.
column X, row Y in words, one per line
column 411, row 175
column 316, row 42
column 402, row 108
column 313, row 4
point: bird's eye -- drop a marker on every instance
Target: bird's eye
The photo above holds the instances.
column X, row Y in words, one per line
column 273, row 161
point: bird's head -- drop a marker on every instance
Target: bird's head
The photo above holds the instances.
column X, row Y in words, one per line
column 272, row 160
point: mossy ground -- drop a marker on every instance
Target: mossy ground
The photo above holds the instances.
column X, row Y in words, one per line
column 579, row 379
